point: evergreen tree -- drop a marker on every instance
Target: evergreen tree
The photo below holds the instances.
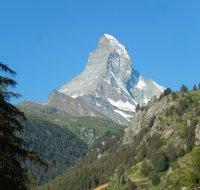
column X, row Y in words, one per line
column 194, row 87
column 184, row 88
column 12, row 151
column 167, row 91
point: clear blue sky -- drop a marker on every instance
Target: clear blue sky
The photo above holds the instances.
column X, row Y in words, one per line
column 47, row 42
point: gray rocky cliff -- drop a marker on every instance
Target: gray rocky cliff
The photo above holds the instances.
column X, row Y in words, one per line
column 143, row 118
column 73, row 107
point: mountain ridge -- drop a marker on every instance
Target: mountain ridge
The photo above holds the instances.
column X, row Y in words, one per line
column 109, row 83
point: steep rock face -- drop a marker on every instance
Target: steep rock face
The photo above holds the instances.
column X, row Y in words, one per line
column 148, row 116
column 74, row 107
column 109, row 84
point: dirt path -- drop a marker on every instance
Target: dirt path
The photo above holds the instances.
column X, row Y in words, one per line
column 101, row 187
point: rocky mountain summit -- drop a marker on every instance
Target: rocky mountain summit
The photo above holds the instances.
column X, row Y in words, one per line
column 109, row 84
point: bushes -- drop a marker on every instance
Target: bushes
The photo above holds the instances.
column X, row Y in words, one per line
column 171, row 152
column 131, row 186
column 146, row 168
column 161, row 164
column 155, row 179
column 142, row 152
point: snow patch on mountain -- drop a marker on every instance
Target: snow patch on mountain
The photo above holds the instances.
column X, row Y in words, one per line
column 141, row 84
column 126, row 106
column 126, row 116
column 161, row 88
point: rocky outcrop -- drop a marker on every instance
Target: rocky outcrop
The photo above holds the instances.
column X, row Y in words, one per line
column 73, row 107
column 148, row 118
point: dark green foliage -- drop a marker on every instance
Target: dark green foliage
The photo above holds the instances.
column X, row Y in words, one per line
column 186, row 172
column 155, row 179
column 151, row 122
column 122, row 180
column 91, row 171
column 183, row 104
column 12, row 151
column 167, row 91
column 194, row 87
column 199, row 86
column 145, row 168
column 170, row 111
column 171, row 152
column 174, row 96
column 58, row 145
column 184, row 88
column 131, row 185
column 160, row 162
column 120, row 172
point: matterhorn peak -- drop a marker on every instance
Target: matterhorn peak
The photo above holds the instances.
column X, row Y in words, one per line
column 109, row 43
column 109, row 84
column 109, row 37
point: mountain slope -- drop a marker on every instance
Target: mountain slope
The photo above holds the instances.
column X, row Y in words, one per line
column 59, row 146
column 109, row 84
column 159, row 150
column 89, row 129
column 73, row 107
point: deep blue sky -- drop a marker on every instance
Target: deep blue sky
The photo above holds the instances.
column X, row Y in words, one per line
column 47, row 42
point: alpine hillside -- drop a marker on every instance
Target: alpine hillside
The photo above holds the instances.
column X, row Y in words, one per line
column 109, row 84
column 159, row 150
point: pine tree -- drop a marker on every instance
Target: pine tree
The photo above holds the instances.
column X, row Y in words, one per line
column 184, row 88
column 194, row 87
column 12, row 151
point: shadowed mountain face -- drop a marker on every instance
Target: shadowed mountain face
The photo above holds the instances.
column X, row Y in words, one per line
column 109, row 84
column 73, row 107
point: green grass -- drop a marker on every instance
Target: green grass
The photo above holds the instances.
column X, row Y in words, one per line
column 184, row 172
column 135, row 176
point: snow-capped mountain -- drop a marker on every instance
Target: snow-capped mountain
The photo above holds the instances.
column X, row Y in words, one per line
column 109, row 84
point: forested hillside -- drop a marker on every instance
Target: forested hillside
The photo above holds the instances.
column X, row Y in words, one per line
column 59, row 138
column 59, row 146
column 159, row 150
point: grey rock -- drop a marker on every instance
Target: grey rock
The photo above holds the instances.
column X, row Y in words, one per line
column 143, row 117
column 73, row 107
column 109, row 84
